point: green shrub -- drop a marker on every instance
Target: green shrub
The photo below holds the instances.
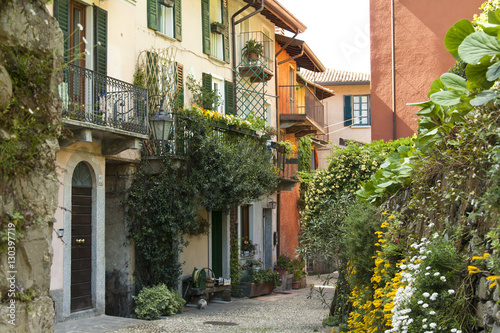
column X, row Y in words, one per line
column 359, row 239
column 156, row 301
column 267, row 276
column 284, row 262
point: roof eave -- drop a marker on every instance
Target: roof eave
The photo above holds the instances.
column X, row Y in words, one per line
column 289, row 22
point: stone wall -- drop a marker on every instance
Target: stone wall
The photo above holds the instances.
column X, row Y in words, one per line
column 27, row 26
column 487, row 309
column 120, row 259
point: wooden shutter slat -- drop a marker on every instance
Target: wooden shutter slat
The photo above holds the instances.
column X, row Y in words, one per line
column 225, row 21
column 101, row 39
column 207, row 87
column 153, row 14
column 178, row 20
column 205, row 22
column 347, row 110
column 229, row 93
column 179, row 81
column 61, row 13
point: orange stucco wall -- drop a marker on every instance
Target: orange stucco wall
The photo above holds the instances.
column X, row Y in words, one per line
column 420, row 57
column 289, row 221
column 283, row 79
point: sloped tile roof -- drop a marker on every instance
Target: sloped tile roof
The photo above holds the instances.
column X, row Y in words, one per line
column 335, row 77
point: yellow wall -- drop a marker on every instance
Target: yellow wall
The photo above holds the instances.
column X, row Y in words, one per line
column 196, row 254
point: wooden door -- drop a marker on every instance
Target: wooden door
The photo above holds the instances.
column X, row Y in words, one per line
column 268, row 237
column 81, row 239
column 217, row 243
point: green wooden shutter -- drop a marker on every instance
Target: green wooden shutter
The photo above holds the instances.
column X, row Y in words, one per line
column 153, row 14
column 100, row 37
column 225, row 21
column 229, row 94
column 369, row 110
column 347, row 110
column 206, row 81
column 179, row 82
column 178, row 20
column 205, row 23
column 61, row 13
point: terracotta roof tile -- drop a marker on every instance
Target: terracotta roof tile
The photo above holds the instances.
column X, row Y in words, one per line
column 333, row 76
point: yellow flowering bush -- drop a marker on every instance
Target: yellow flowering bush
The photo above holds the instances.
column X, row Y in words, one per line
column 372, row 304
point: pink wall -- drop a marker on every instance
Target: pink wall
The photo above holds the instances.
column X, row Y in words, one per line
column 420, row 57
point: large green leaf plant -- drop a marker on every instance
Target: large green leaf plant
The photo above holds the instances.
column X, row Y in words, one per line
column 451, row 98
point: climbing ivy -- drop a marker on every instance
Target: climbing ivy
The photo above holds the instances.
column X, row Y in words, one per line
column 29, row 121
column 220, row 169
column 305, row 153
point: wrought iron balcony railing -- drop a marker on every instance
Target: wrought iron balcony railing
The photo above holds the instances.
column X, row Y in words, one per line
column 267, row 58
column 299, row 99
column 102, row 100
column 288, row 166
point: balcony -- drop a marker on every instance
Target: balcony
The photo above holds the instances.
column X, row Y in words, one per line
column 261, row 68
column 100, row 107
column 288, row 166
column 301, row 112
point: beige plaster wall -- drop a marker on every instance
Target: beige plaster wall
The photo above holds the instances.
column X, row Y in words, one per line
column 196, row 254
column 334, row 117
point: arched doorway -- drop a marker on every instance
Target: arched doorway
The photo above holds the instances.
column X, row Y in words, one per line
column 81, row 238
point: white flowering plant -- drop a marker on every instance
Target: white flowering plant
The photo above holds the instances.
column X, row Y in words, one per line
column 431, row 297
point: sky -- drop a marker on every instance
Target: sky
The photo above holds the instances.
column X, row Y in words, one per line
column 338, row 31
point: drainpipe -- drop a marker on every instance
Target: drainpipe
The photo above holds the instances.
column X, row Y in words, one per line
column 292, row 58
column 393, row 56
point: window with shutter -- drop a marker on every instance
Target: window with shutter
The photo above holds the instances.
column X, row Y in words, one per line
column 357, row 110
column 361, row 110
column 166, row 17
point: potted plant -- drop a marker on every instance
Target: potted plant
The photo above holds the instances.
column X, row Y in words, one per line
column 247, row 247
column 218, row 28
column 252, row 50
column 297, row 277
column 283, row 264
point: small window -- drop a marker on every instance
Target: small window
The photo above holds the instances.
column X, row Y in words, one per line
column 166, row 20
column 357, row 110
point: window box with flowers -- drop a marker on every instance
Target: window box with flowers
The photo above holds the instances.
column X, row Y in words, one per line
column 247, row 247
column 218, row 28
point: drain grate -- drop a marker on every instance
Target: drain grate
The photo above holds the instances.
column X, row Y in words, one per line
column 283, row 292
column 220, row 323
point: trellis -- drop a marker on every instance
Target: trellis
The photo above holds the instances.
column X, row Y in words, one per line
column 159, row 72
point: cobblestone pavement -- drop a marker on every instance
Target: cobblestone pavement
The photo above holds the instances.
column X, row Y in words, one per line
column 291, row 311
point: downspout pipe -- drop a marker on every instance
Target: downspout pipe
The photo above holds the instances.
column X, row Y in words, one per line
column 292, row 58
column 286, row 45
column 393, row 64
